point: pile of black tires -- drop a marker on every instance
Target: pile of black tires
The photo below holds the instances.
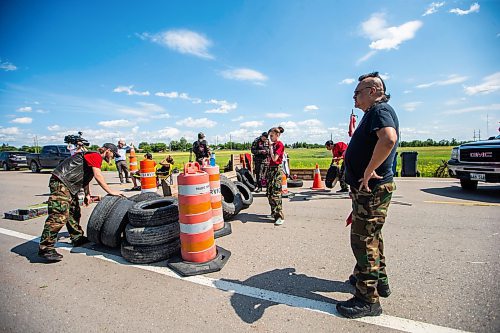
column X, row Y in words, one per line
column 237, row 195
column 149, row 222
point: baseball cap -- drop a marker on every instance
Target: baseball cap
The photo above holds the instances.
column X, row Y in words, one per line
column 112, row 147
column 265, row 134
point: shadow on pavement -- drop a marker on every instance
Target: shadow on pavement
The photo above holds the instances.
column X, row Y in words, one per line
column 285, row 281
column 256, row 218
column 490, row 194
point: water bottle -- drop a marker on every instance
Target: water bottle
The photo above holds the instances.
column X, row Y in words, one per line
column 212, row 159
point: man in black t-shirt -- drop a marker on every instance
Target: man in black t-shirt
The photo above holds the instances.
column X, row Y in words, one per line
column 368, row 162
column 201, row 149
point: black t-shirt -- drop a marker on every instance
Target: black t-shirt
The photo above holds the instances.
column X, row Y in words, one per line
column 363, row 141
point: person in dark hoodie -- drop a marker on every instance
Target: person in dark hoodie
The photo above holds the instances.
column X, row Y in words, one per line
column 260, row 151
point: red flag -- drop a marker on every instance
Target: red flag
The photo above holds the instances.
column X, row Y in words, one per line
column 352, row 124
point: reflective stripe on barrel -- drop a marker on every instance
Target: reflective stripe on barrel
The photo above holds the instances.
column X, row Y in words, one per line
column 148, row 176
column 195, row 215
column 133, row 160
column 215, row 192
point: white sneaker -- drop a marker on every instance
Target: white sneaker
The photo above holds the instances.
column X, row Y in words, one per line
column 279, row 222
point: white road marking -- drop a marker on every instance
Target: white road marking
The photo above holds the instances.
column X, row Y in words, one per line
column 402, row 324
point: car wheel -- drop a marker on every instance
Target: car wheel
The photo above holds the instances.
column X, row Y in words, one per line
column 468, row 185
column 34, row 167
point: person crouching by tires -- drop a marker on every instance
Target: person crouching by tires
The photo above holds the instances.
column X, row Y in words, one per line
column 67, row 179
column 274, row 174
column 338, row 152
column 260, row 151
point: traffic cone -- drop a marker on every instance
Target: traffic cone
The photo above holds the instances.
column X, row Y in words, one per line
column 284, row 187
column 317, row 184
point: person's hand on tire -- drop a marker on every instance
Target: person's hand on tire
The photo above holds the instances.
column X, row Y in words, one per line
column 116, row 193
column 87, row 200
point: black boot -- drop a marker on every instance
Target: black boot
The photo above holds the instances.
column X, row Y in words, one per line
column 357, row 308
column 50, row 255
column 382, row 289
column 80, row 241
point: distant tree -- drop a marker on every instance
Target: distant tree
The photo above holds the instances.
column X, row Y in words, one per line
column 183, row 144
column 144, row 146
column 7, row 147
column 93, row 147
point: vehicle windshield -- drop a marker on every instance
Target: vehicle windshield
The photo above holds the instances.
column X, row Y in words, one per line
column 63, row 149
column 21, row 153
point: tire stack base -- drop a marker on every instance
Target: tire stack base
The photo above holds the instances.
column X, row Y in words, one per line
column 186, row 268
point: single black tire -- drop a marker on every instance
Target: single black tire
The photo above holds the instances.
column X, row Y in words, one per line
column 154, row 212
column 117, row 219
column 149, row 254
column 231, row 200
column 245, row 194
column 468, row 185
column 248, row 179
column 34, row 167
column 152, row 235
column 239, row 177
column 98, row 216
column 145, row 196
column 294, row 183
column 331, row 175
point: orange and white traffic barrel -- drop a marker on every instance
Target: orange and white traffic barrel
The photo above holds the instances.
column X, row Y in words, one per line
column 132, row 160
column 148, row 176
column 215, row 194
column 284, row 186
column 195, row 215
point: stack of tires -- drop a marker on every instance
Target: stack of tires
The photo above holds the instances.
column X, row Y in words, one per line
column 152, row 232
column 236, row 196
column 149, row 222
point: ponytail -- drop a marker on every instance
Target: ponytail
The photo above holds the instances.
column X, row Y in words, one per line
column 277, row 130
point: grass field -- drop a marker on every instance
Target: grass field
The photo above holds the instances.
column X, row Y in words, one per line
column 429, row 158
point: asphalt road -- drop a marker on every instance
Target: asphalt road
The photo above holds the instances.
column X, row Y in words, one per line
column 441, row 244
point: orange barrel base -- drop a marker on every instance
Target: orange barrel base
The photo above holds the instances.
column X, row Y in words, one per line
column 224, row 231
column 148, row 176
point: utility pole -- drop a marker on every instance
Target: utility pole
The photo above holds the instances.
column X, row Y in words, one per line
column 479, row 135
column 474, row 135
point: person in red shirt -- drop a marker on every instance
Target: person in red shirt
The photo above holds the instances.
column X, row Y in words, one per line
column 338, row 152
column 274, row 174
column 67, row 179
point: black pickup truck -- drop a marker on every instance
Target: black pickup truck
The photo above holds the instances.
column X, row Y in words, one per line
column 48, row 158
column 475, row 162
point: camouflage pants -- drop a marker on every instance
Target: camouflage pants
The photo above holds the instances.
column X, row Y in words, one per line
column 273, row 191
column 260, row 172
column 64, row 209
column 369, row 211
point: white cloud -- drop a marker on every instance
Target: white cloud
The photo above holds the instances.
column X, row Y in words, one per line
column 25, row 109
column 311, row 108
column 116, row 123
column 474, row 8
column 223, row 106
column 161, row 116
column 9, row 131
column 248, row 124
column 240, row 118
column 490, row 84
column 22, row 120
column 452, row 79
column 168, row 132
column 387, row 38
column 244, row 74
column 151, row 107
column 488, row 108
column 433, row 8
column 54, row 128
column 457, row 101
column 182, row 41
column 172, row 94
column 366, row 57
column 198, row 122
column 145, row 110
column 42, row 111
column 407, row 91
column 411, row 106
column 175, row 95
column 7, row 66
column 130, row 91
column 277, row 115
column 347, row 81
column 311, row 130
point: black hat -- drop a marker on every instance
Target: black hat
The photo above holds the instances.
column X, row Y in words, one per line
column 112, row 147
column 329, row 143
column 201, row 135
column 265, row 134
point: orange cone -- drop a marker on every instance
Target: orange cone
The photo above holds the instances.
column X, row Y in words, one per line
column 284, row 187
column 317, row 184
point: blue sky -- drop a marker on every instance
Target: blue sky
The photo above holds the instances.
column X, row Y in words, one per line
column 158, row 70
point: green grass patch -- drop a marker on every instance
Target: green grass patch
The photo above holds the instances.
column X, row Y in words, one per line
column 429, row 158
